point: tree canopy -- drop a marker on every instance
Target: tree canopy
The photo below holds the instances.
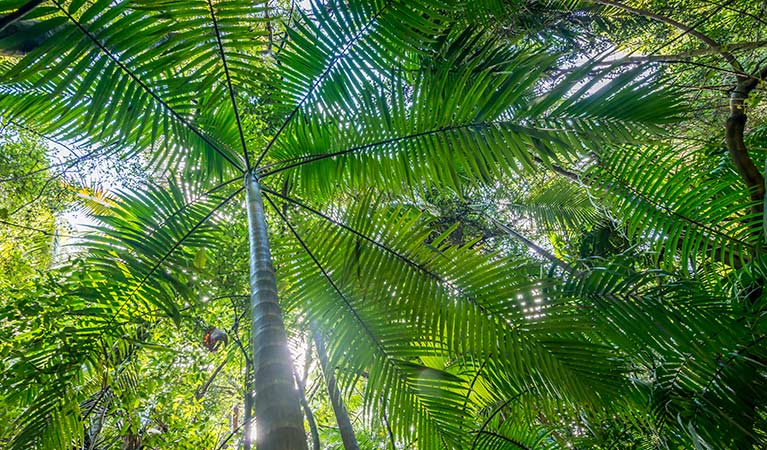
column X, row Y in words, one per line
column 382, row 224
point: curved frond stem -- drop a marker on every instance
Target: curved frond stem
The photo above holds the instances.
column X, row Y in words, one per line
column 173, row 248
column 505, row 439
column 389, row 431
column 493, row 414
column 196, row 199
column 147, row 89
column 314, row 158
column 102, row 392
column 380, row 245
column 674, row 213
column 343, row 52
column 722, row 365
column 329, row 219
column 327, row 277
column 229, row 84
column 473, row 382
column 335, row 287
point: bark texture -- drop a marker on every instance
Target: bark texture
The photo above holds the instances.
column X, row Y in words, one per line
column 279, row 424
column 734, row 131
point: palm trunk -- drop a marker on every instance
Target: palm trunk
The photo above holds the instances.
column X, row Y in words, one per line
column 279, row 425
column 339, row 409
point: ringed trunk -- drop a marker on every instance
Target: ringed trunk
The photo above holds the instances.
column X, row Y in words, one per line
column 279, row 424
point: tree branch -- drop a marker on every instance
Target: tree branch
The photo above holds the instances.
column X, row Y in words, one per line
column 529, row 244
column 25, row 9
column 685, row 56
column 204, row 388
column 715, row 46
column 734, row 130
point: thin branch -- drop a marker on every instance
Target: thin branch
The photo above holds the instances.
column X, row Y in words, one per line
column 739, row 11
column 684, row 56
column 559, row 170
column 287, row 27
column 25, row 9
column 147, row 89
column 229, row 83
column 39, row 193
column 322, row 77
column 676, row 24
column 200, row 393
column 528, row 243
column 234, row 331
column 69, row 163
column 245, row 423
column 248, row 404
column 38, row 230
column 316, row 444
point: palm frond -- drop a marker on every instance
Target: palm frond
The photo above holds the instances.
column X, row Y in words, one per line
column 677, row 211
column 400, row 298
column 140, row 74
column 470, row 116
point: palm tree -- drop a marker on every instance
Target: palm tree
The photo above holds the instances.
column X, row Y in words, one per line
column 378, row 103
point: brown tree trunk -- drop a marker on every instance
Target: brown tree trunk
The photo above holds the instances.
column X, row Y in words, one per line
column 734, row 131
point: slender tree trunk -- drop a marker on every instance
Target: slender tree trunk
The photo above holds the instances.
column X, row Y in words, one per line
column 342, row 415
column 279, row 425
column 316, row 444
column 248, row 405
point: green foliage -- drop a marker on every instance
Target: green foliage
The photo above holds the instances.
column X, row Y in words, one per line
column 406, row 158
column 33, row 191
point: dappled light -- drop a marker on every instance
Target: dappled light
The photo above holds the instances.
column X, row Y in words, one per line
column 382, row 224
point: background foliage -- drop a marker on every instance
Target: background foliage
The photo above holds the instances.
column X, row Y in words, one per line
column 517, row 224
